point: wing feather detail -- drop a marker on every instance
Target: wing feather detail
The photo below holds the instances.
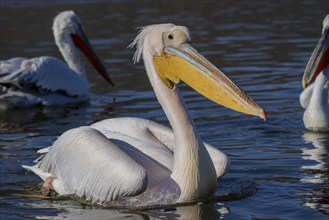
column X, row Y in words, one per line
column 46, row 73
column 89, row 165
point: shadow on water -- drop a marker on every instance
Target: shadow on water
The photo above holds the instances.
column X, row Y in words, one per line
column 195, row 211
column 212, row 208
column 50, row 120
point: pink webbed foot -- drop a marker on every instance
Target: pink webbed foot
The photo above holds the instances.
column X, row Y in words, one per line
column 47, row 186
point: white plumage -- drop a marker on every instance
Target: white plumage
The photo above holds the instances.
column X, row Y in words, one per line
column 132, row 161
column 315, row 98
column 47, row 80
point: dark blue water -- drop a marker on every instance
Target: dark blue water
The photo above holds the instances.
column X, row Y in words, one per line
column 278, row 170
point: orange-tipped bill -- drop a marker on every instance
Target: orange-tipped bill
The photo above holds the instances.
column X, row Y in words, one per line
column 186, row 64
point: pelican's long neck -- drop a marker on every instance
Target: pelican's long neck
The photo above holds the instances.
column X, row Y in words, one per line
column 193, row 169
column 70, row 52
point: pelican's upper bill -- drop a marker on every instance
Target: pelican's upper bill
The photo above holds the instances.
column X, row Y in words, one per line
column 320, row 56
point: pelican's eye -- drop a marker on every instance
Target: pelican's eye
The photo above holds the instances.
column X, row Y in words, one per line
column 174, row 38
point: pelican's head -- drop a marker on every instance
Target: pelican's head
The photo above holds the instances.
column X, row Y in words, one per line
column 319, row 59
column 68, row 33
column 176, row 60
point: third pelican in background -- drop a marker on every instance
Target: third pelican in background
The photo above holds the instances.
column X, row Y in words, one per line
column 315, row 97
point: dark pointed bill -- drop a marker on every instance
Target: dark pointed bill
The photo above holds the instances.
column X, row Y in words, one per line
column 81, row 41
column 318, row 60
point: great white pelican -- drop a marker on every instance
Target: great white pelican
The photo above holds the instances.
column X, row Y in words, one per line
column 138, row 162
column 47, row 80
column 315, row 97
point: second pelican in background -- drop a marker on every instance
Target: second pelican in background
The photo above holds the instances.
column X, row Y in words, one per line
column 47, row 80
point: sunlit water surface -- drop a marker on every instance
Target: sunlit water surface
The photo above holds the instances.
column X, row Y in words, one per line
column 278, row 170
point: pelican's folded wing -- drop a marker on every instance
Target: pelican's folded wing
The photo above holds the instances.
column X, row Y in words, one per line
column 86, row 163
column 9, row 66
column 45, row 74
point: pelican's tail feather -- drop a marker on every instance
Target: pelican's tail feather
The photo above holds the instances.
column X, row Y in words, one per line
column 43, row 175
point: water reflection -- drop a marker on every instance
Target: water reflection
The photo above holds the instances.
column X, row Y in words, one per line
column 54, row 119
column 57, row 119
column 317, row 172
column 196, row 212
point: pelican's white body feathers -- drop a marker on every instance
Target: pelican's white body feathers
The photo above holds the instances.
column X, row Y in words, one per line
column 99, row 153
column 37, row 81
column 315, row 100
